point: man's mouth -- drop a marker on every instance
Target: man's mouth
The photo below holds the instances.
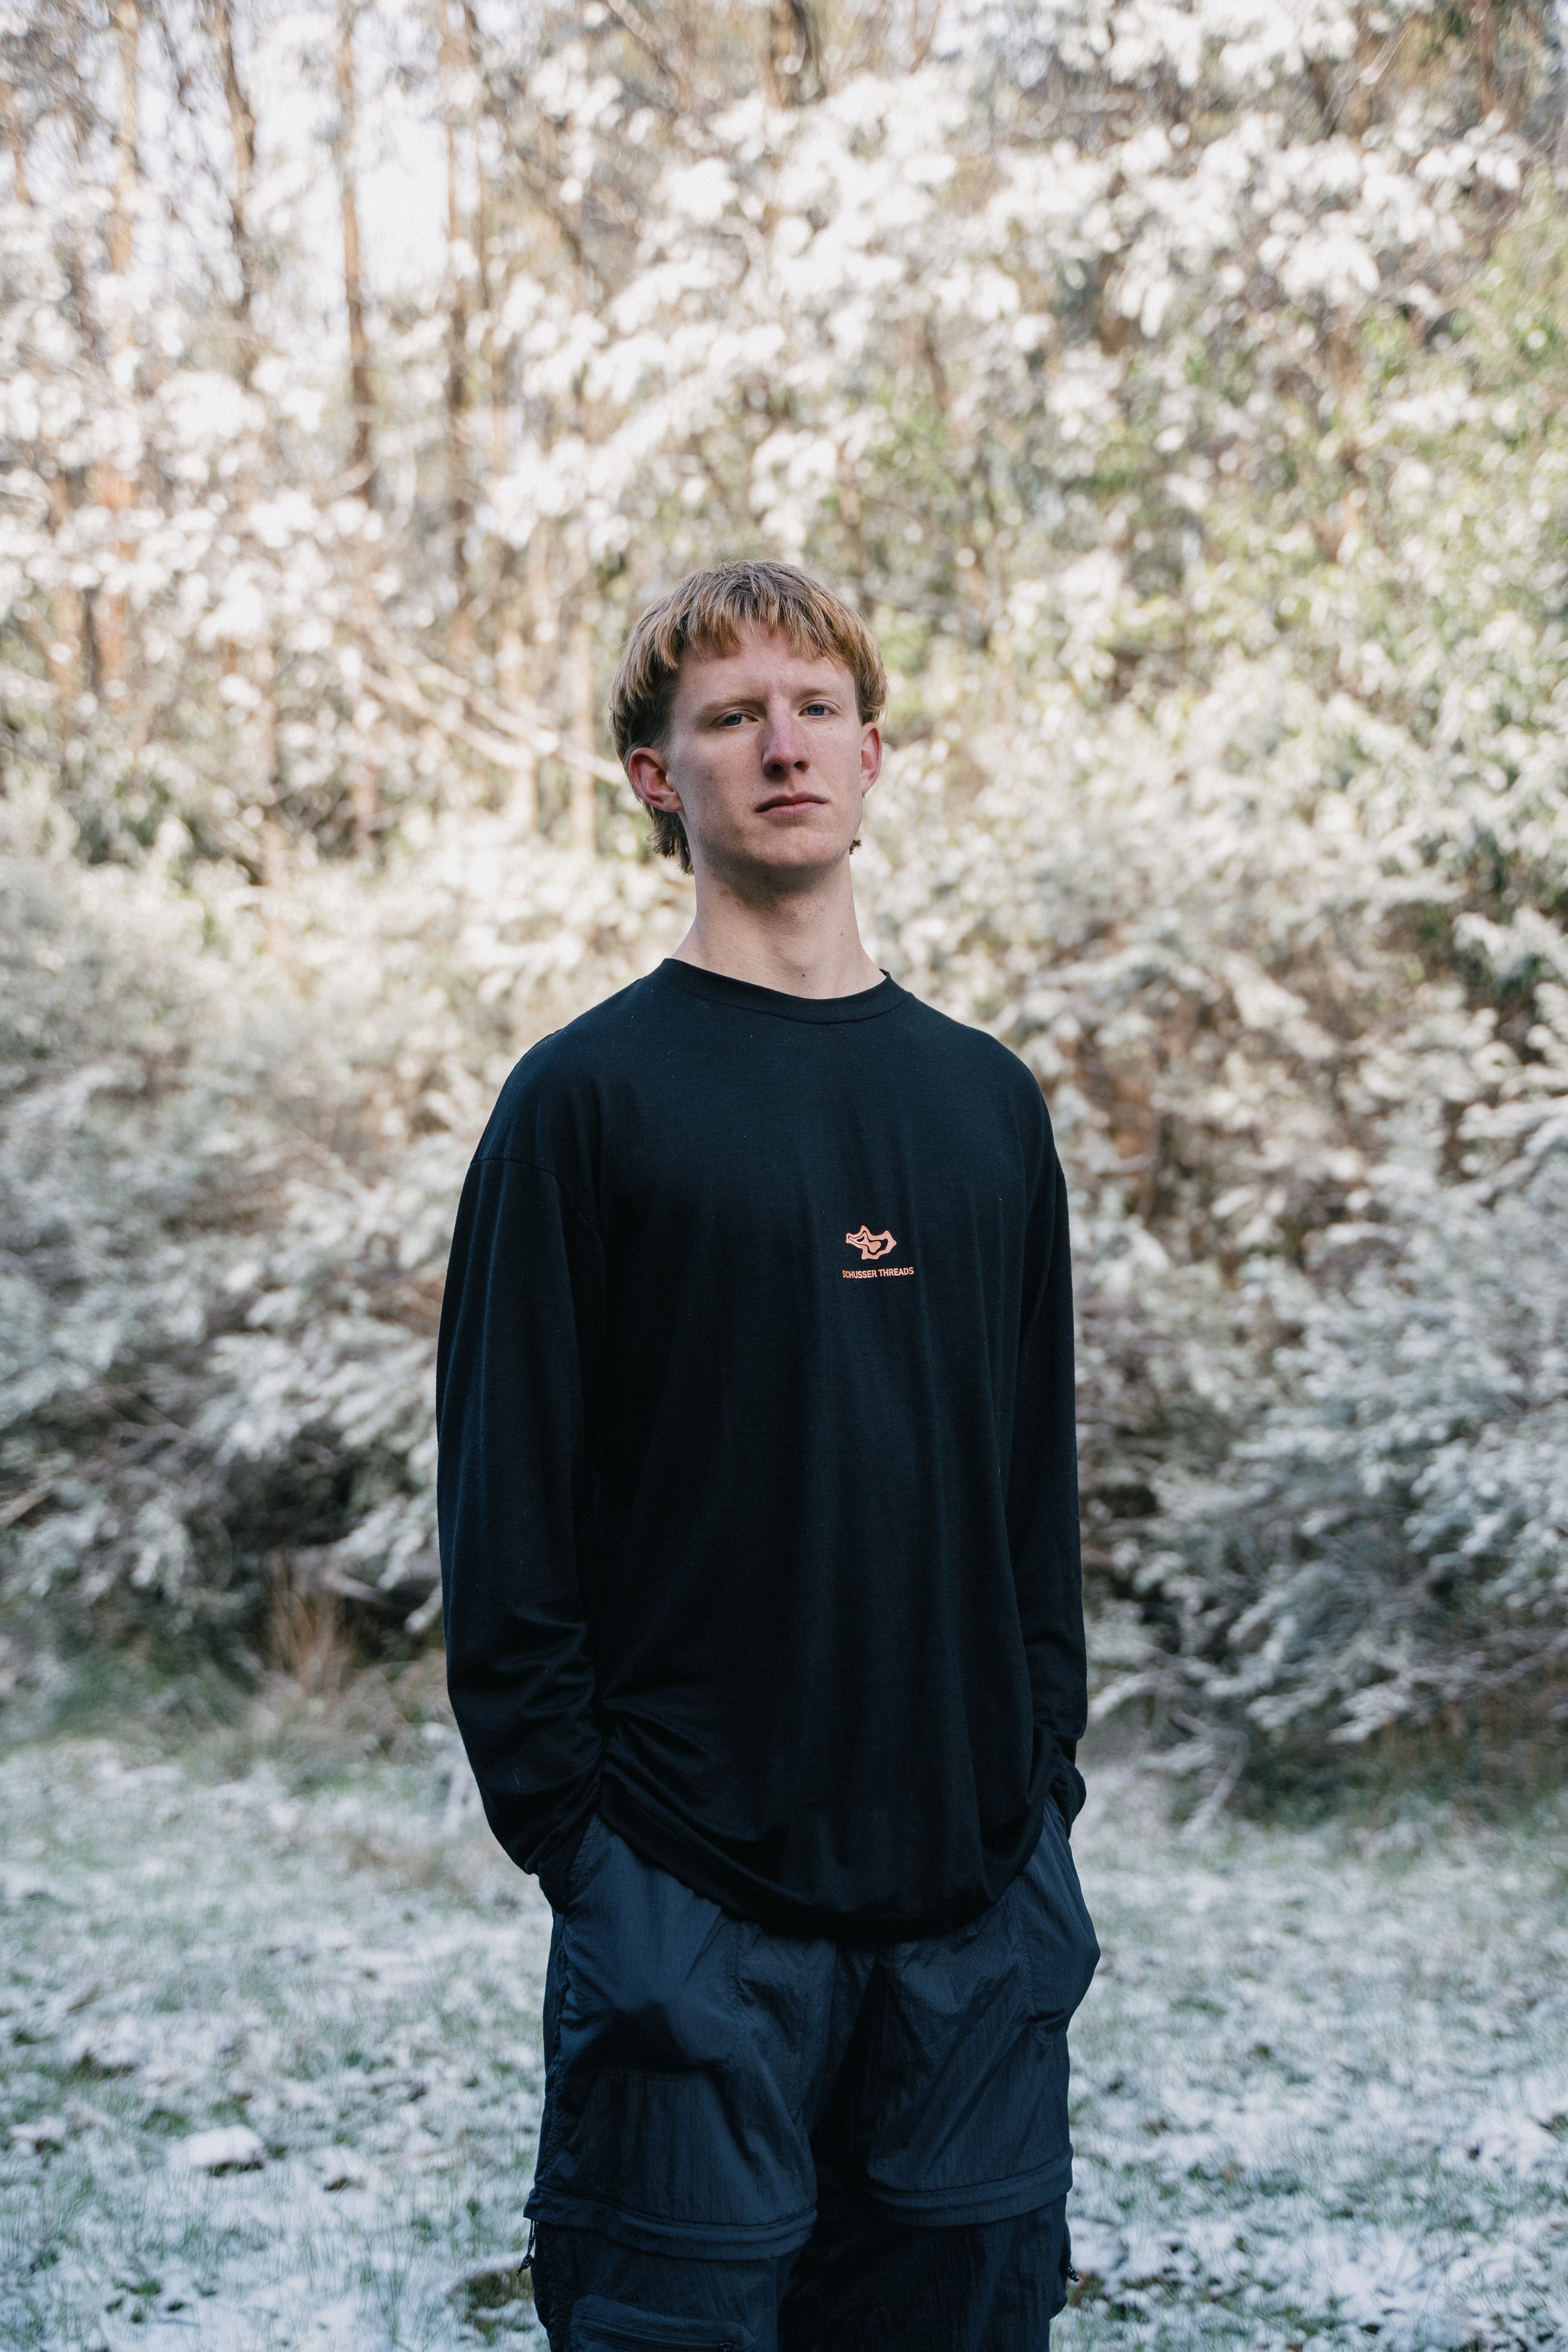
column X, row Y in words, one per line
column 793, row 800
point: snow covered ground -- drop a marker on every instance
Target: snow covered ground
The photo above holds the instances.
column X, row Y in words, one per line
column 269, row 2070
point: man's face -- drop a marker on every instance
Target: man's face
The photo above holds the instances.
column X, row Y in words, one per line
column 766, row 760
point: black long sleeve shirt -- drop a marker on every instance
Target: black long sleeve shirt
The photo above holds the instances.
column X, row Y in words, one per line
column 758, row 1486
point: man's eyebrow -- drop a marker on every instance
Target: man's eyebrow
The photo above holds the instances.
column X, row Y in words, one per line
column 817, row 690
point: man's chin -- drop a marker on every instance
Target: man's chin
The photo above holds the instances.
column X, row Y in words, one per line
column 782, row 860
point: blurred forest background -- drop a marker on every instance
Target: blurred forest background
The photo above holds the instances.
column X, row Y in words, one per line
column 1180, row 390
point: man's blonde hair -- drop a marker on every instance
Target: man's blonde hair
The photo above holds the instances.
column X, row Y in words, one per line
column 706, row 615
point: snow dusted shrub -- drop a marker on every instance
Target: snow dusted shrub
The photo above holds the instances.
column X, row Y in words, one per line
column 130, row 1156
column 228, row 1175
column 1388, row 1547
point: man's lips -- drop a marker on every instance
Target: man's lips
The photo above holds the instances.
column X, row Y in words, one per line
column 795, row 799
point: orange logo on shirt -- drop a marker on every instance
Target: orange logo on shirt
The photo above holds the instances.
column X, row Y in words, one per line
column 870, row 1245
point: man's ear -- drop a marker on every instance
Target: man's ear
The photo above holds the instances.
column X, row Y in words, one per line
column 870, row 756
column 651, row 779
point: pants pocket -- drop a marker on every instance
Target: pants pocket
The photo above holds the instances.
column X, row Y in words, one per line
column 660, row 2105
column 588, row 1844
column 1060, row 1943
column 599, row 2325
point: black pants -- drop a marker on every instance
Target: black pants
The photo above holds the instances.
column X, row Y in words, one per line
column 761, row 2140
column 861, row 2284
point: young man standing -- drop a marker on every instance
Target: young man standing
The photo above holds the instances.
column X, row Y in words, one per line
column 759, row 1531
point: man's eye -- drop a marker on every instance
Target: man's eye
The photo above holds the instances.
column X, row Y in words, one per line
column 812, row 709
column 732, row 718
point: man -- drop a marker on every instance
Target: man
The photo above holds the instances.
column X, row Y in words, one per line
column 759, row 1532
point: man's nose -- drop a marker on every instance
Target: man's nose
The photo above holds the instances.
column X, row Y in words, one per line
column 783, row 741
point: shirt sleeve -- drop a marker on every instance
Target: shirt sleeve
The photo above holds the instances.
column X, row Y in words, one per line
column 1042, row 1493
column 517, row 1370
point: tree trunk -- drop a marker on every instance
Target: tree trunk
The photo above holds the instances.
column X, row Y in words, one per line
column 128, row 42
column 543, row 620
column 580, row 735
column 791, row 65
column 488, row 265
column 364, row 791
column 362, row 461
column 242, row 137
column 62, row 638
column 66, row 657
column 260, row 777
column 11, row 129
column 512, row 689
column 542, row 606
column 1483, row 20
column 112, row 487
column 459, row 494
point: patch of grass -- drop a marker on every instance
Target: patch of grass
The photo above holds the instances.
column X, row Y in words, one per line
column 1321, row 2087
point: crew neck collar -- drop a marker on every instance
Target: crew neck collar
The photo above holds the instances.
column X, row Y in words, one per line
column 718, row 988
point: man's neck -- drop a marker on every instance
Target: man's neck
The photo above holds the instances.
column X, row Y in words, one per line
column 806, row 944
